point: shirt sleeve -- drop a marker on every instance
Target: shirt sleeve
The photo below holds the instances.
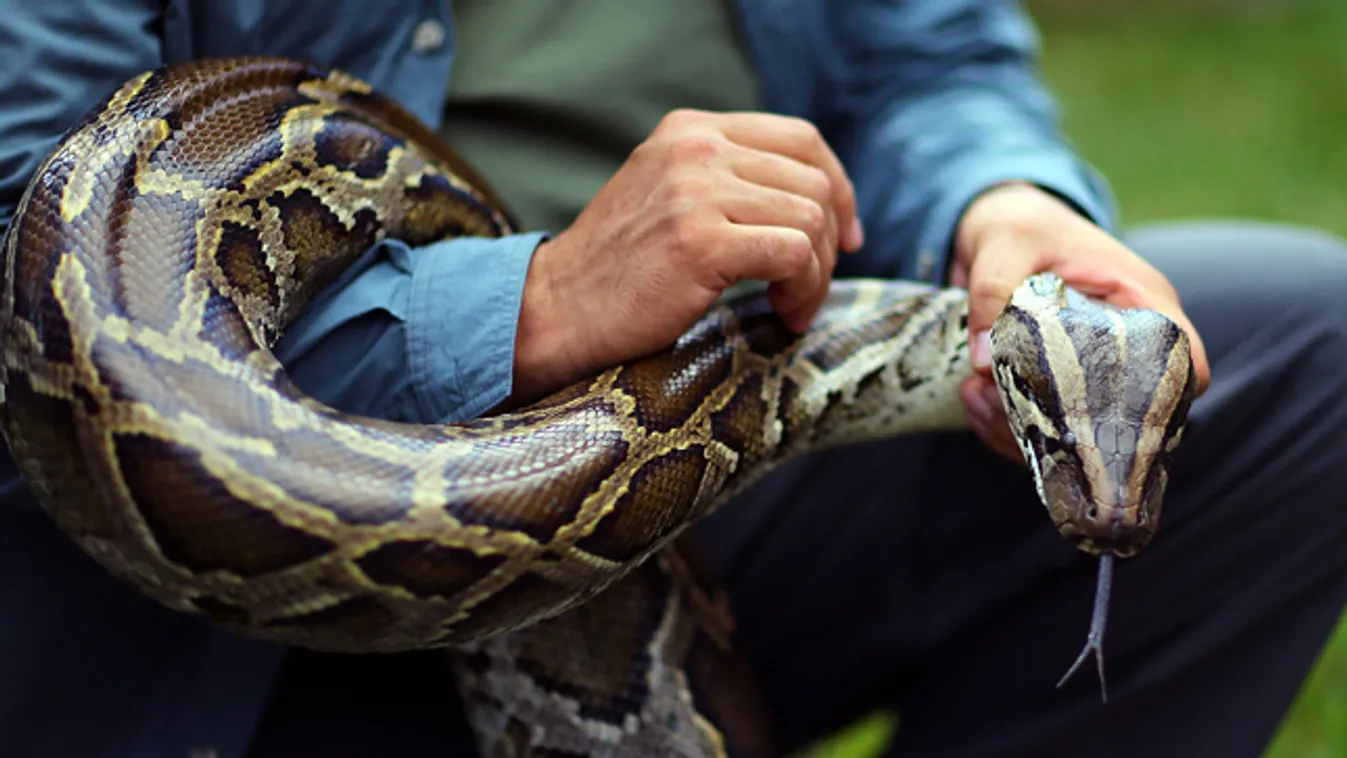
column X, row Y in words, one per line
column 424, row 335
column 946, row 102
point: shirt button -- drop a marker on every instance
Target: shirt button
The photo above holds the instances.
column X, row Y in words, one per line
column 428, row 36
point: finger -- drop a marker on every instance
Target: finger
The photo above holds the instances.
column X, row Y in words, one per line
column 986, row 417
column 797, row 300
column 757, row 205
column 995, row 274
column 801, row 140
column 781, row 255
column 779, row 172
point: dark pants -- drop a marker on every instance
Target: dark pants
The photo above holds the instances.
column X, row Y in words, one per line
column 922, row 574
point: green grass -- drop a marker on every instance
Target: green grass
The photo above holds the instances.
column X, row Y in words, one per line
column 1210, row 113
column 1239, row 112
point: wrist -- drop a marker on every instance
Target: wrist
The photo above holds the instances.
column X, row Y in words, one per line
column 1014, row 208
column 542, row 336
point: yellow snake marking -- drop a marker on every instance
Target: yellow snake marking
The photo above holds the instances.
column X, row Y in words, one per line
column 1065, row 366
column 1168, row 397
column 79, row 189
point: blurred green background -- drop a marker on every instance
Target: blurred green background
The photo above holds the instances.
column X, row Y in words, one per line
column 1207, row 108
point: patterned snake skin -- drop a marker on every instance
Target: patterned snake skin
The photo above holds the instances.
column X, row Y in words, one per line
column 174, row 232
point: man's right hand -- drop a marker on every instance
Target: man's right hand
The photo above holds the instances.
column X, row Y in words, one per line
column 708, row 200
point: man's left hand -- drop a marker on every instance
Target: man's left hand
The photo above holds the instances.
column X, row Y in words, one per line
column 1016, row 230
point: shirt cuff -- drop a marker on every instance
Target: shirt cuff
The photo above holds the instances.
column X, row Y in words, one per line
column 462, row 314
column 1058, row 172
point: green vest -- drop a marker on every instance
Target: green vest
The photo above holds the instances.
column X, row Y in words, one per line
column 548, row 97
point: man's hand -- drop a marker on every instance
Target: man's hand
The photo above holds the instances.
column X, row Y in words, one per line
column 1017, row 230
column 707, row 201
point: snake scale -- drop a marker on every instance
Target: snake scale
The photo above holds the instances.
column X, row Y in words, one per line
column 175, row 231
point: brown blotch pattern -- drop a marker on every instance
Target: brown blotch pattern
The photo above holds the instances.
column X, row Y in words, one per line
column 765, row 333
column 499, row 611
column 429, row 218
column 313, row 233
column 669, row 386
column 35, row 262
column 244, row 263
column 350, row 145
column 62, row 479
column 213, row 531
column 606, row 679
column 510, row 502
column 737, row 425
column 426, row 569
column 218, row 141
column 652, row 505
column 223, row 325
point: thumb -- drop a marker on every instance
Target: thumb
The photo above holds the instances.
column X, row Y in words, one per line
column 995, row 273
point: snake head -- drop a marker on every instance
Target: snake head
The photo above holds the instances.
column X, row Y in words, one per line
column 1097, row 397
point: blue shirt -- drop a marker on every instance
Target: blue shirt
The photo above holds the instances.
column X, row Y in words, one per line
column 928, row 103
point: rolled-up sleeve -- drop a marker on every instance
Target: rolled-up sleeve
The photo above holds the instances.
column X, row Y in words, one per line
column 423, row 335
column 947, row 102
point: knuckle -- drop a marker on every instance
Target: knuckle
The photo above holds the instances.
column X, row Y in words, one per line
column 681, row 117
column 803, row 129
column 688, row 188
column 694, row 148
column 646, row 149
column 817, row 184
column 990, row 290
column 795, row 252
column 686, row 234
column 813, row 219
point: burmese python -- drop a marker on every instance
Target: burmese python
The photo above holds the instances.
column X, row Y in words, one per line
column 175, row 231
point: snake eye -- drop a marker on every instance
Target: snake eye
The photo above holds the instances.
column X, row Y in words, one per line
column 1063, row 444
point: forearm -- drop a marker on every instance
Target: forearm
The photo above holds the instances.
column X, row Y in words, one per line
column 953, row 105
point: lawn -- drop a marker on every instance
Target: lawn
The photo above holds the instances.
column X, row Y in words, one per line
column 1238, row 108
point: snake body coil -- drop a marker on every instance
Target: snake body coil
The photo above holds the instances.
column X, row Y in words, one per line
column 172, row 235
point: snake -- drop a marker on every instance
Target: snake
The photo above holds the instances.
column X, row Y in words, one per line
column 174, row 232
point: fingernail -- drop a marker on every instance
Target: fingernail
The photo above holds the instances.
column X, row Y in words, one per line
column 856, row 235
column 980, row 349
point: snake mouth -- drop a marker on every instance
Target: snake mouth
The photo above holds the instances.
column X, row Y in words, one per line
column 1104, row 528
column 1107, row 538
column 1123, row 547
